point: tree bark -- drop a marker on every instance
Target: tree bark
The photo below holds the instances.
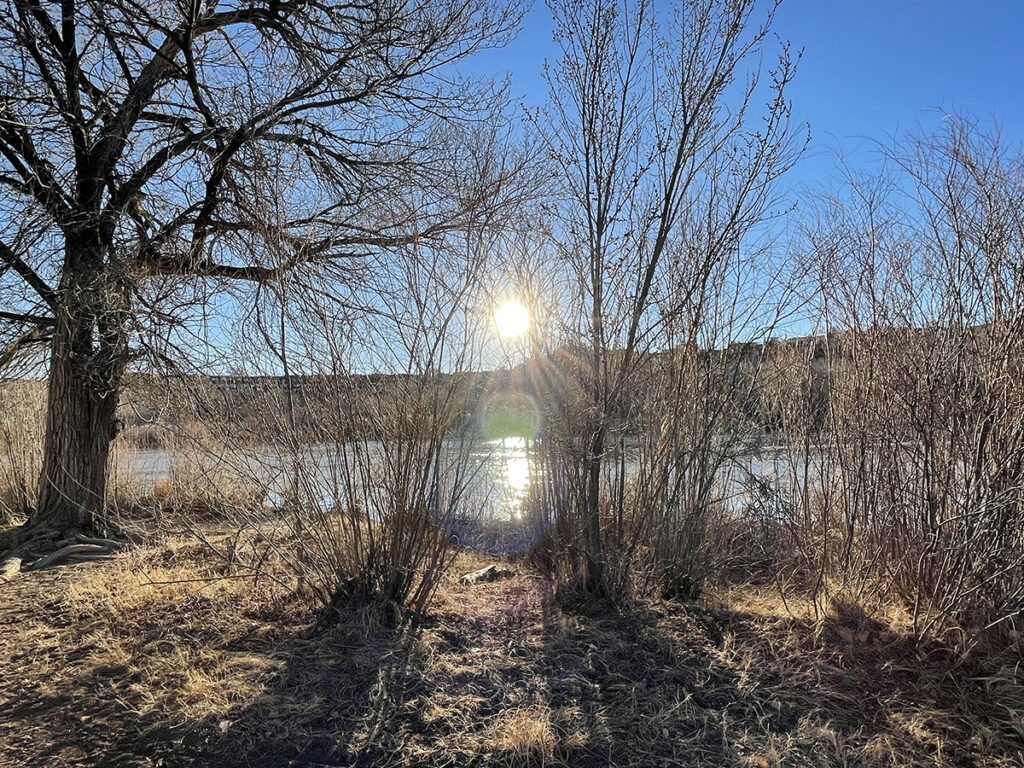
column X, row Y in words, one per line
column 88, row 358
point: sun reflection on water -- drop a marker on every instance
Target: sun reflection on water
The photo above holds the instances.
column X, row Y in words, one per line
column 517, row 470
column 512, row 452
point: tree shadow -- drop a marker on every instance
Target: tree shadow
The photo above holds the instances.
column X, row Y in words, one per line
column 330, row 702
column 636, row 684
column 331, row 696
column 506, row 674
column 873, row 694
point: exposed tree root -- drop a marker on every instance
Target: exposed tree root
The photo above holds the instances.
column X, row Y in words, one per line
column 32, row 548
column 77, row 552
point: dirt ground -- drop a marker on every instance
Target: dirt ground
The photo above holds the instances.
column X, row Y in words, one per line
column 133, row 662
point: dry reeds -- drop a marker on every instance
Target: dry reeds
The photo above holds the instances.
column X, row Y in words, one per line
column 22, row 417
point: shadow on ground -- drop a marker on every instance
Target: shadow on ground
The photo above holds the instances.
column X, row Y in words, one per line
column 502, row 674
column 333, row 702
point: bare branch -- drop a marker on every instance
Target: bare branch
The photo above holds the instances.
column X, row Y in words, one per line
column 29, row 275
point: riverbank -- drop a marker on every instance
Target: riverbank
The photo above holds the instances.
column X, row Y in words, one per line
column 153, row 658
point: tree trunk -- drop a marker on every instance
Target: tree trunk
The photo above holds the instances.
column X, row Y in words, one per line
column 86, row 365
column 79, row 429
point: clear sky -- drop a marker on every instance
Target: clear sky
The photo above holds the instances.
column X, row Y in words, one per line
column 871, row 69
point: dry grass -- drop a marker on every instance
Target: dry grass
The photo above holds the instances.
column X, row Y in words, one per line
column 21, row 447
column 524, row 735
column 872, row 696
column 186, row 494
column 100, row 666
column 99, row 656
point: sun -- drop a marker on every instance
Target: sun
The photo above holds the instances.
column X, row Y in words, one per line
column 512, row 319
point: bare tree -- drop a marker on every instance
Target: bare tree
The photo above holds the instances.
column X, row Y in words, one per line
column 137, row 142
column 906, row 487
column 666, row 160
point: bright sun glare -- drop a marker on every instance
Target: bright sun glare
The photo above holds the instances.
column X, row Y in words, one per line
column 512, row 319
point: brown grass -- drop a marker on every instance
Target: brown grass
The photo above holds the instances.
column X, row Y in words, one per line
column 21, row 447
column 146, row 659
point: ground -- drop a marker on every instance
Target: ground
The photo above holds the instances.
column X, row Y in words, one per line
column 151, row 660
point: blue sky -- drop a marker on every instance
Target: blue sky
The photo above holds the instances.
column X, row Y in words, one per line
column 871, row 70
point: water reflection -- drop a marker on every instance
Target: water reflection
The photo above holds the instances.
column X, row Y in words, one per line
column 497, row 473
column 517, row 471
column 512, row 456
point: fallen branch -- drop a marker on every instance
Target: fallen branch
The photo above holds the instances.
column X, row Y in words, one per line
column 489, row 573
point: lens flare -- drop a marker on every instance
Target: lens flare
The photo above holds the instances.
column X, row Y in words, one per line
column 510, row 414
